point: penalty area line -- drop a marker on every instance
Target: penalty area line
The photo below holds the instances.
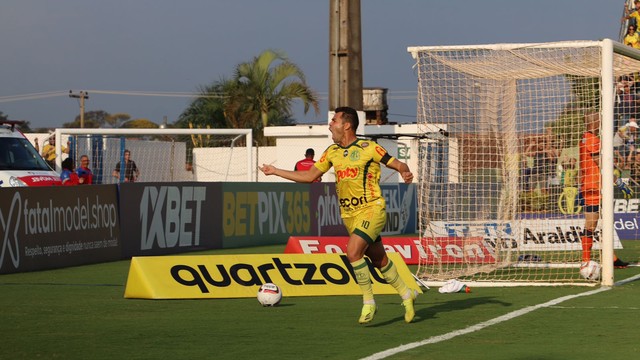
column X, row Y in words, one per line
column 494, row 321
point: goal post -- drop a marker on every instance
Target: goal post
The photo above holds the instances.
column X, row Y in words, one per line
column 163, row 155
column 512, row 214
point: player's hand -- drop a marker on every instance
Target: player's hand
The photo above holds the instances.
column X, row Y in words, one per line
column 407, row 177
column 626, row 190
column 267, row 169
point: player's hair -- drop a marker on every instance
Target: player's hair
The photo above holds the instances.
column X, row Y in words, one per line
column 349, row 115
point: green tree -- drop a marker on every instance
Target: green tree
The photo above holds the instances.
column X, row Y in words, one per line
column 140, row 124
column 116, row 120
column 92, row 119
column 260, row 94
column 207, row 110
column 270, row 83
column 24, row 126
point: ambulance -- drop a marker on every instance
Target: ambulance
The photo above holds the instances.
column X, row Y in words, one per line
column 20, row 163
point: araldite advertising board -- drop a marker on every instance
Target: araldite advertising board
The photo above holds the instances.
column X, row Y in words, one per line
column 445, row 249
column 525, row 235
column 52, row 227
column 236, row 276
column 401, row 210
column 167, row 218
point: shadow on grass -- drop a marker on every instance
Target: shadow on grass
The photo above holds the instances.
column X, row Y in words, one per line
column 425, row 311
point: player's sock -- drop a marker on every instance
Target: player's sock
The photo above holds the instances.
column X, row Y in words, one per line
column 390, row 273
column 587, row 244
column 363, row 277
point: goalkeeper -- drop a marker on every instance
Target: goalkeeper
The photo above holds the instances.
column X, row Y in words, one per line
column 363, row 209
column 590, row 185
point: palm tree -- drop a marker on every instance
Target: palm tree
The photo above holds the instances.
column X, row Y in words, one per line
column 270, row 83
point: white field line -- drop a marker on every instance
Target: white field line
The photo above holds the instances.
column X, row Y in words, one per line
column 499, row 319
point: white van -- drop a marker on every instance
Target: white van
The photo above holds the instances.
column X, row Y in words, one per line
column 20, row 163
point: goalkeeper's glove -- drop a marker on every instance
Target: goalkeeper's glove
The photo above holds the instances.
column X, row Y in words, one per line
column 626, row 190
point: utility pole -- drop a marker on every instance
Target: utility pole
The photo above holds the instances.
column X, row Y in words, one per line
column 345, row 55
column 82, row 95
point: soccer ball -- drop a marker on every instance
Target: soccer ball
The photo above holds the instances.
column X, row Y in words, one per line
column 590, row 270
column 269, row 294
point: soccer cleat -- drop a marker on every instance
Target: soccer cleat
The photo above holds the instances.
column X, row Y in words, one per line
column 368, row 311
column 409, row 311
column 619, row 264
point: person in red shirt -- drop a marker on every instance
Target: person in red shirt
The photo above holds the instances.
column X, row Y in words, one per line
column 307, row 163
column 68, row 175
column 84, row 173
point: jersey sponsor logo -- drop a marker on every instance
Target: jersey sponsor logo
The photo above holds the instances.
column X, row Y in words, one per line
column 355, row 156
column 347, row 173
column 364, row 144
column 352, row 202
column 380, row 150
column 345, row 153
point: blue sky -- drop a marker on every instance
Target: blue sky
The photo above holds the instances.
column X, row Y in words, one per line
column 176, row 46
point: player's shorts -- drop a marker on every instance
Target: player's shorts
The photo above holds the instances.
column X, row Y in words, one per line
column 591, row 197
column 367, row 222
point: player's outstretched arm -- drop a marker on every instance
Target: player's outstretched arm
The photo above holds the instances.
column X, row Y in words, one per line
column 403, row 169
column 306, row 176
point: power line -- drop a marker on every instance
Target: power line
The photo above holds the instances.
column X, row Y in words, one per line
column 33, row 96
column 410, row 94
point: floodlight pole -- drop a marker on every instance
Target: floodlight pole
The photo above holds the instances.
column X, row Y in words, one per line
column 345, row 55
column 82, row 95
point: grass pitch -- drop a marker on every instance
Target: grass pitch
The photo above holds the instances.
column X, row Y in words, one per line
column 80, row 313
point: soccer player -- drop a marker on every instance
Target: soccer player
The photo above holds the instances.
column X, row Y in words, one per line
column 590, row 185
column 363, row 209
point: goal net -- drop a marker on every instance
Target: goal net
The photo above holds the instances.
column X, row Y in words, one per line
column 162, row 155
column 499, row 198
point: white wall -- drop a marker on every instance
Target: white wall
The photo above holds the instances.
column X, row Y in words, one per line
column 225, row 164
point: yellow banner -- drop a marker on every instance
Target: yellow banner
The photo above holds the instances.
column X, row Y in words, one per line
column 236, row 276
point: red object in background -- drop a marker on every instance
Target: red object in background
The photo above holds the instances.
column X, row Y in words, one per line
column 449, row 250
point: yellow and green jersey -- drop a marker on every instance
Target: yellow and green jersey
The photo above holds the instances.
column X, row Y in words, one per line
column 357, row 169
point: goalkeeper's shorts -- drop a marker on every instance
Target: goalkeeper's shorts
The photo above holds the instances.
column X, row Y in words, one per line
column 591, row 197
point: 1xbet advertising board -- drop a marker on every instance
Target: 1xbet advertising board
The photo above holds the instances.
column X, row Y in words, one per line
column 167, row 218
column 53, row 227
column 401, row 209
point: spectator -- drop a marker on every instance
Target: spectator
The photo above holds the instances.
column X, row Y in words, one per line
column 544, row 156
column 624, row 143
column 626, row 101
column 68, row 175
column 306, row 163
column 84, row 172
column 632, row 16
column 632, row 38
column 131, row 172
column 49, row 150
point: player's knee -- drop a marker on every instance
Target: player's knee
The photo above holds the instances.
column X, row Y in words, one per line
column 353, row 257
